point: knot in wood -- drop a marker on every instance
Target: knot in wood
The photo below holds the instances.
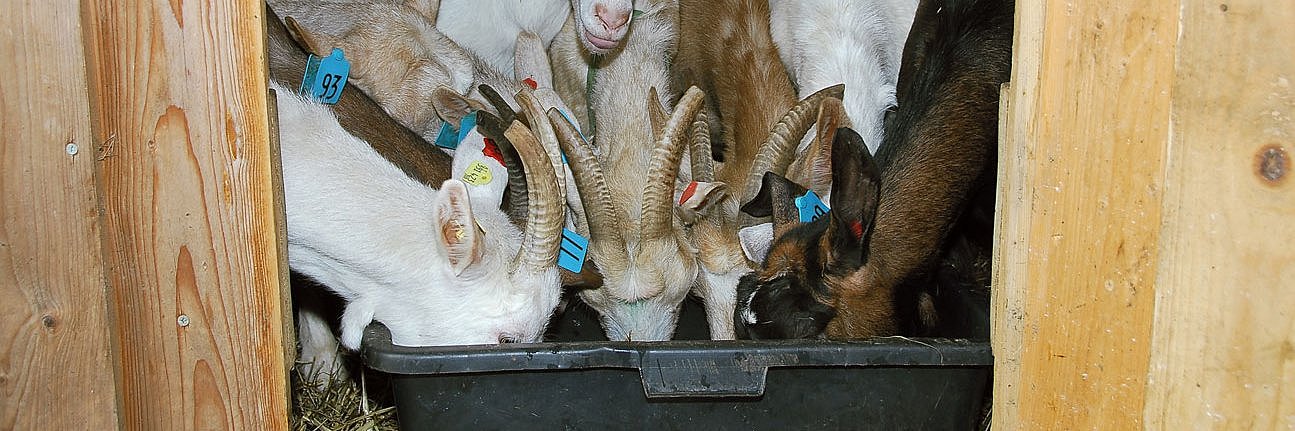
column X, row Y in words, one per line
column 1272, row 164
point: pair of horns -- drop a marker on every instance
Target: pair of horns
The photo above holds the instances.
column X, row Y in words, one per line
column 545, row 192
column 605, row 225
column 779, row 149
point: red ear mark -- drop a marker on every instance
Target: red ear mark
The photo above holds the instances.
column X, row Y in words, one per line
column 857, row 229
column 492, row 151
column 688, row 192
column 530, row 82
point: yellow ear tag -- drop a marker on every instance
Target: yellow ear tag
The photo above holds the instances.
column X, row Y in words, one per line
column 478, row 174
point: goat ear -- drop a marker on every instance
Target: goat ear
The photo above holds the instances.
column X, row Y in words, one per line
column 530, row 60
column 814, row 166
column 308, row 41
column 856, row 188
column 457, row 229
column 776, row 198
column 697, row 197
column 756, row 241
column 657, row 115
column 450, row 106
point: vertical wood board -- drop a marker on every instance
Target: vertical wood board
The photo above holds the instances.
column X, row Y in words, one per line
column 1090, row 112
column 1223, row 354
column 189, row 230
column 55, row 367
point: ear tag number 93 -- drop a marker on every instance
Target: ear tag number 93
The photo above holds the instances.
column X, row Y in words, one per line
column 326, row 78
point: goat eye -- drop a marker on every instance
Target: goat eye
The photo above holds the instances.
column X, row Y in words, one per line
column 505, row 338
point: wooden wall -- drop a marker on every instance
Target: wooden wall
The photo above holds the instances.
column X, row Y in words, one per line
column 1145, row 275
column 141, row 274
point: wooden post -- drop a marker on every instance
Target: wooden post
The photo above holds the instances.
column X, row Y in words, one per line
column 1148, row 280
column 1223, row 353
column 189, row 234
column 55, row 368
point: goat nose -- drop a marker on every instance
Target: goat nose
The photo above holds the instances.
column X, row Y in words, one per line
column 611, row 21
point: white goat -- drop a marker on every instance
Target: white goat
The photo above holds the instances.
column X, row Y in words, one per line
column 858, row 43
column 486, row 28
column 434, row 266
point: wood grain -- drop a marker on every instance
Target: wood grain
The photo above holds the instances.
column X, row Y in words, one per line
column 55, row 366
column 1090, row 112
column 1223, row 354
column 189, row 224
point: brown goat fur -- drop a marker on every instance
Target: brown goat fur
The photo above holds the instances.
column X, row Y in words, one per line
column 939, row 152
column 725, row 49
column 792, row 294
column 936, row 163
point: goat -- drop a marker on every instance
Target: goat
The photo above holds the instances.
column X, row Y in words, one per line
column 628, row 183
column 829, row 42
column 365, row 119
column 725, row 48
column 601, row 24
column 359, row 114
column 396, row 54
column 429, row 269
column 859, row 271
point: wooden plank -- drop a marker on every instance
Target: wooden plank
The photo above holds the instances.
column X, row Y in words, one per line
column 1012, row 206
column 1223, row 354
column 1010, row 261
column 189, row 225
column 1091, row 109
column 55, row 367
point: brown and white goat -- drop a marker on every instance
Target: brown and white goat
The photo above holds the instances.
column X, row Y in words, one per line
column 726, row 49
column 859, row 272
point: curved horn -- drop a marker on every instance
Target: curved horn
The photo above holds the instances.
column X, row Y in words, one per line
column 657, row 115
column 515, row 197
column 543, row 235
column 543, row 129
column 703, row 161
column 658, row 197
column 496, row 100
column 776, row 152
column 604, row 224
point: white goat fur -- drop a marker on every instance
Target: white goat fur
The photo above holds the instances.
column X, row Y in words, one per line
column 489, row 28
column 855, row 42
column 387, row 243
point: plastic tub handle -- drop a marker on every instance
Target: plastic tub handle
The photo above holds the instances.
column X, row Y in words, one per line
column 675, row 374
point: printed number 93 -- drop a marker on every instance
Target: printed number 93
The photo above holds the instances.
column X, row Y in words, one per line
column 330, row 82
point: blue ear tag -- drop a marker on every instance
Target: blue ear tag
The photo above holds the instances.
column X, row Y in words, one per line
column 449, row 136
column 326, row 78
column 466, row 125
column 811, row 207
column 571, row 255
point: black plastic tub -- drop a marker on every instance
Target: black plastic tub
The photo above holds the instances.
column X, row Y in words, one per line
column 885, row 384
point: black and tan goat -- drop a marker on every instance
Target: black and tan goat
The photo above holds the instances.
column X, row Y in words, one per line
column 859, row 271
